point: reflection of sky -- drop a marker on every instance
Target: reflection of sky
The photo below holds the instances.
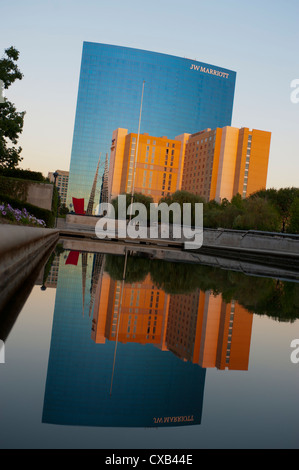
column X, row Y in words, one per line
column 252, row 409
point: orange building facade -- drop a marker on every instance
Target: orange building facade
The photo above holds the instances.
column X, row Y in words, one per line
column 158, row 165
column 215, row 164
column 221, row 163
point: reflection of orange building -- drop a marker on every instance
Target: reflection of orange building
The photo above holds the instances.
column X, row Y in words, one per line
column 140, row 318
column 206, row 331
column 198, row 327
column 214, row 164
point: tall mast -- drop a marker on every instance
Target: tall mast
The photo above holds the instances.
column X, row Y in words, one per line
column 136, row 153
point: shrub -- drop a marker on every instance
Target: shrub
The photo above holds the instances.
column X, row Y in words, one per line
column 22, row 217
column 293, row 226
column 43, row 214
column 22, row 174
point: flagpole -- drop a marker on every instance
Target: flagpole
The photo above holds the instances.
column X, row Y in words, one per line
column 136, row 153
column 118, row 322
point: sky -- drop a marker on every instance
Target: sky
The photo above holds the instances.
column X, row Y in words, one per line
column 257, row 39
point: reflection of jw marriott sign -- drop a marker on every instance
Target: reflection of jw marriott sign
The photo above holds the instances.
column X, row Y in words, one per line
column 199, row 68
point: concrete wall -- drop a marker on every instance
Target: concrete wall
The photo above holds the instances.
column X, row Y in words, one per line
column 266, row 242
column 40, row 195
column 21, row 250
column 35, row 193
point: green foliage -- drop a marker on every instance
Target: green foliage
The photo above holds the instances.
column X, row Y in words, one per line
column 12, row 215
column 63, row 210
column 136, row 270
column 258, row 214
column 23, row 174
column 138, row 198
column 172, row 278
column 9, row 71
column 55, row 200
column 282, row 199
column 39, row 213
column 14, row 191
column 223, row 215
column 11, row 121
column 15, row 188
column 293, row 226
column 181, row 198
column 267, row 210
column 272, row 210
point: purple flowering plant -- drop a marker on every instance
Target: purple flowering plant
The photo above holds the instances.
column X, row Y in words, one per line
column 20, row 216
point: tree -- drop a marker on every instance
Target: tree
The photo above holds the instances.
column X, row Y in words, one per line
column 293, row 226
column 11, row 121
column 258, row 214
column 182, row 197
column 282, row 199
column 137, row 198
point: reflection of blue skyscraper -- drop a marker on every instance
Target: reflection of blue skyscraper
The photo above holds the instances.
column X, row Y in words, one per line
column 180, row 96
column 150, row 387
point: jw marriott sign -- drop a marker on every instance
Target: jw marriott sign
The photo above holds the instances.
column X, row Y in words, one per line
column 202, row 69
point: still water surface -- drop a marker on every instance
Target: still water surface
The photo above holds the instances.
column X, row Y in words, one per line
column 175, row 356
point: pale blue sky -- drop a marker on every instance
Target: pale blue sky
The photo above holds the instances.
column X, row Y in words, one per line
column 257, row 39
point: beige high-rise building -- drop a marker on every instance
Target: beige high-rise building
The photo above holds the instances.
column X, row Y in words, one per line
column 62, row 181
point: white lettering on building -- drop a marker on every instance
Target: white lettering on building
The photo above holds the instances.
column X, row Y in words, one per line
column 218, row 73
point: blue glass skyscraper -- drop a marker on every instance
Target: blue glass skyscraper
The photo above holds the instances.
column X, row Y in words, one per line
column 180, row 96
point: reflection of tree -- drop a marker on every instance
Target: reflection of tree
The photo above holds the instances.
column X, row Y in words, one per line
column 137, row 268
column 264, row 296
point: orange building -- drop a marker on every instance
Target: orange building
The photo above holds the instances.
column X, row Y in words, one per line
column 159, row 164
column 214, row 164
column 220, row 163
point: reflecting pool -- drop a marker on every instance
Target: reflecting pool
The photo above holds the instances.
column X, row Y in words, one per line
column 133, row 351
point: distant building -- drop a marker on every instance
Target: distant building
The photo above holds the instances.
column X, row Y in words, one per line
column 62, row 182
